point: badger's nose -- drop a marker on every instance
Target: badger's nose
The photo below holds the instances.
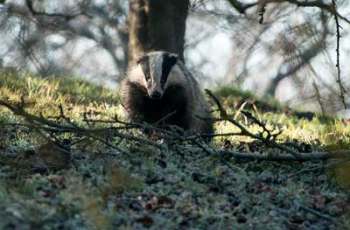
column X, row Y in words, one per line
column 156, row 95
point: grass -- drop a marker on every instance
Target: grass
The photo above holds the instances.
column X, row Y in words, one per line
column 99, row 188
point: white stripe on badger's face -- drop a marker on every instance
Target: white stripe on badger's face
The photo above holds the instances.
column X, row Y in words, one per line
column 156, row 74
column 136, row 75
column 176, row 77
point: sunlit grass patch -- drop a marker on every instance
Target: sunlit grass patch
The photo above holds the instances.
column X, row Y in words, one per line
column 319, row 130
column 53, row 89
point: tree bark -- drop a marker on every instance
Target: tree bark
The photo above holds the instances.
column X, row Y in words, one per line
column 157, row 25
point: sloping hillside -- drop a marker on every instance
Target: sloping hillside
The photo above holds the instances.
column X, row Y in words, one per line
column 81, row 178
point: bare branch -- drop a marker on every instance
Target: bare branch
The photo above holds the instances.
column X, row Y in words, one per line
column 244, row 131
column 67, row 17
column 278, row 156
column 341, row 87
column 303, row 58
column 102, row 135
column 36, row 120
column 318, row 98
column 241, row 7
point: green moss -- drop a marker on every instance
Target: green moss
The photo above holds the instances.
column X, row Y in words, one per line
column 228, row 91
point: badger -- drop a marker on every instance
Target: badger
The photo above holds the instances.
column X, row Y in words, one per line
column 160, row 88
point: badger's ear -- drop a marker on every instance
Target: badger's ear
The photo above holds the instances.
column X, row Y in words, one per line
column 142, row 59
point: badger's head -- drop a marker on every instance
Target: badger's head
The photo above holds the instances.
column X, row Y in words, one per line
column 156, row 72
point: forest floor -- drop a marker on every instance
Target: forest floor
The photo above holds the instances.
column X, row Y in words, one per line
column 93, row 185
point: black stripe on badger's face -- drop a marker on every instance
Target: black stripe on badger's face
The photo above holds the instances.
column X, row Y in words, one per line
column 169, row 60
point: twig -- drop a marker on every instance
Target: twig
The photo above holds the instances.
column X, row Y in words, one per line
column 263, row 126
column 246, row 132
column 318, row 98
column 243, row 7
column 164, row 118
column 67, row 17
column 223, row 112
column 341, row 86
column 214, row 152
column 278, row 156
column 316, row 213
column 174, row 133
column 67, row 119
column 262, row 10
column 218, row 134
column 36, row 121
column 321, row 167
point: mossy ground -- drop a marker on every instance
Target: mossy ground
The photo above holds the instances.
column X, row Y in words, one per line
column 171, row 189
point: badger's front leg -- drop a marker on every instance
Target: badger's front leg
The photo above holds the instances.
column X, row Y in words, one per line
column 132, row 100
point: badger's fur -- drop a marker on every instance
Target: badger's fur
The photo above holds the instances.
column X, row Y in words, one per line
column 158, row 85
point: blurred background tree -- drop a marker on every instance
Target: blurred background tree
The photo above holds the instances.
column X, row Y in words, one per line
column 283, row 48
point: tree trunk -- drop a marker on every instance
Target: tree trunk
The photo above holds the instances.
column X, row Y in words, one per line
column 157, row 25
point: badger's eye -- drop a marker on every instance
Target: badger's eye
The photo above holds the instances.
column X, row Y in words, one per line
column 146, row 72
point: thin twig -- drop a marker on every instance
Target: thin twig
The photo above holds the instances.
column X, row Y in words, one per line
column 214, row 152
column 164, row 118
column 246, row 132
column 318, row 98
column 316, row 213
column 174, row 133
column 262, row 10
column 321, row 167
column 274, row 156
column 35, row 120
column 341, row 86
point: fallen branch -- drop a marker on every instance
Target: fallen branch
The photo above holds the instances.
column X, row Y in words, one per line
column 323, row 167
column 173, row 134
column 38, row 122
column 316, row 213
column 277, row 156
column 269, row 140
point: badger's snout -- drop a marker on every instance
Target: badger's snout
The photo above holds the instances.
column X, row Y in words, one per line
column 155, row 95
